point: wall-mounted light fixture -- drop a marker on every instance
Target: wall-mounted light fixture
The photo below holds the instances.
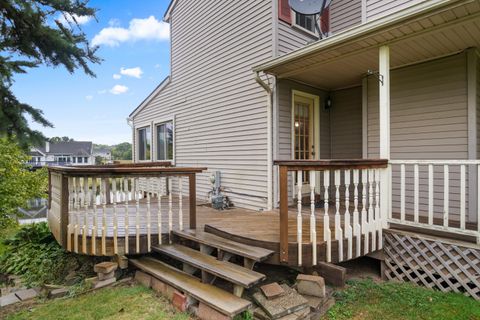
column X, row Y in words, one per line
column 328, row 103
column 376, row 74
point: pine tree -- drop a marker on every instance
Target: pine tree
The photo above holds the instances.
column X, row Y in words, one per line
column 28, row 38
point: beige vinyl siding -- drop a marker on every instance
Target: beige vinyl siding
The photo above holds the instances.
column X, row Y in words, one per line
column 428, row 121
column 291, row 38
column 219, row 109
column 345, row 14
column 379, row 8
column 478, row 105
column 346, row 124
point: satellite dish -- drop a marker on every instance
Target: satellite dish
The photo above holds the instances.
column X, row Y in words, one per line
column 309, row 7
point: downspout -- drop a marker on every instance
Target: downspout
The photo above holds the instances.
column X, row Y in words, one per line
column 267, row 88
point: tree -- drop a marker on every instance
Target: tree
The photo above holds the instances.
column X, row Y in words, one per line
column 29, row 39
column 122, row 151
column 18, row 183
column 60, row 139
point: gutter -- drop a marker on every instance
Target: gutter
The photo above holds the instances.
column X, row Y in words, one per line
column 268, row 90
column 130, row 124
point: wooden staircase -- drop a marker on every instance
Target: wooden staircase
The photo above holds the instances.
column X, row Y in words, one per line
column 204, row 258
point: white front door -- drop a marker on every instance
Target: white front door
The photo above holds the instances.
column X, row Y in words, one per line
column 305, row 129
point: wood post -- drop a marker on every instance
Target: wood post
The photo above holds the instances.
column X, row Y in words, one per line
column 284, row 214
column 192, row 197
column 64, row 211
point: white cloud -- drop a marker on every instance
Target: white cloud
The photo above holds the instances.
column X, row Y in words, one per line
column 89, row 98
column 118, row 89
column 69, row 19
column 116, row 76
column 138, row 29
column 114, row 23
column 132, row 72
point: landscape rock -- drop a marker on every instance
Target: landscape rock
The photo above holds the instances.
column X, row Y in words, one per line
column 105, row 267
column 286, row 304
column 272, row 290
column 103, row 283
column 143, row 278
column 26, row 294
column 311, row 285
column 298, row 315
column 106, row 276
column 204, row 312
column 8, row 300
column 58, row 293
column 317, row 315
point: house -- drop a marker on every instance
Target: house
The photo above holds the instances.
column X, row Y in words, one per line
column 62, row 153
column 359, row 141
column 104, row 154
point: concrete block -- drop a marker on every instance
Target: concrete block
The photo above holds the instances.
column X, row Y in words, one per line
column 8, row 300
column 103, row 283
column 143, row 278
column 205, row 312
column 105, row 267
column 180, row 301
column 58, row 293
column 162, row 288
column 26, row 294
column 311, row 285
column 106, row 276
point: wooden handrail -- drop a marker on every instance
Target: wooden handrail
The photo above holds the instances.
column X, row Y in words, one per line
column 317, row 165
column 123, row 170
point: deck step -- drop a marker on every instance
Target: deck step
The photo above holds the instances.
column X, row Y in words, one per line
column 239, row 249
column 231, row 272
column 222, row 301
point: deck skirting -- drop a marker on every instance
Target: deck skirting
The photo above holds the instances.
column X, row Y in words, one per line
column 436, row 263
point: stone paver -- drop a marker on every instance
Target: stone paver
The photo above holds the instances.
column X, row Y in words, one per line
column 272, row 290
column 26, row 294
column 8, row 300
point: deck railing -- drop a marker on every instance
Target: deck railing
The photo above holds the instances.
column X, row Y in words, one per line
column 119, row 209
column 347, row 189
column 438, row 195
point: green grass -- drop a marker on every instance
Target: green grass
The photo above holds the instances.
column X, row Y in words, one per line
column 367, row 300
column 119, row 303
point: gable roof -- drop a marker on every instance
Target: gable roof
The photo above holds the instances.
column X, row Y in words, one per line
column 150, row 97
column 166, row 16
column 77, row 148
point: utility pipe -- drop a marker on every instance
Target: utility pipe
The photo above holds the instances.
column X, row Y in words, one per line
column 267, row 88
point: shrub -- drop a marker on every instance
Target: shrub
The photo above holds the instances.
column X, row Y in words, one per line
column 34, row 254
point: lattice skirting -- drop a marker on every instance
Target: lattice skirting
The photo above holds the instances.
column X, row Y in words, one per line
column 434, row 263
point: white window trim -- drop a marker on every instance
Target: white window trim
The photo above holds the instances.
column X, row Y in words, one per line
column 138, row 126
column 300, row 28
column 154, row 138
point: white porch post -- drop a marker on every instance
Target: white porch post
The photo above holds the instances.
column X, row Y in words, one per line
column 384, row 120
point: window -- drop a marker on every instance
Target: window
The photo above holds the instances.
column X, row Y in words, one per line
column 306, row 22
column 144, row 143
column 80, row 160
column 86, row 160
column 164, row 133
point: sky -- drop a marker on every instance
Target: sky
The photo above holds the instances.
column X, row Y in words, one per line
column 134, row 45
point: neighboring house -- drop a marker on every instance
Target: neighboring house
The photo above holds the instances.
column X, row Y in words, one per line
column 63, row 153
column 103, row 153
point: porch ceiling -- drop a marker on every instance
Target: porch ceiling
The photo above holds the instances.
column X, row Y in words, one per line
column 422, row 32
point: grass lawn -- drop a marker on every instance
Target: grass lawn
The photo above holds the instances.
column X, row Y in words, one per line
column 120, row 303
column 367, row 300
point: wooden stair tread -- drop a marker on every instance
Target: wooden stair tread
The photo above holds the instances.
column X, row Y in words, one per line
column 221, row 300
column 234, row 273
column 240, row 249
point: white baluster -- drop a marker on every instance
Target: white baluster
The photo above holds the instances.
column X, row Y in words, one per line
column 326, row 219
column 85, row 220
column 170, row 210
column 430, row 194
column 299, row 215
column 149, row 222
column 378, row 217
column 137, row 215
column 462, row 196
column 402, row 192
column 127, row 198
column 356, row 224
column 365, row 225
column 77, row 213
column 103, row 191
column 180, row 203
column 338, row 221
column 446, row 191
column 159, row 213
column 115, row 216
column 70, row 226
column 313, row 222
column 348, row 226
column 371, row 212
column 95, row 218
column 416, row 193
